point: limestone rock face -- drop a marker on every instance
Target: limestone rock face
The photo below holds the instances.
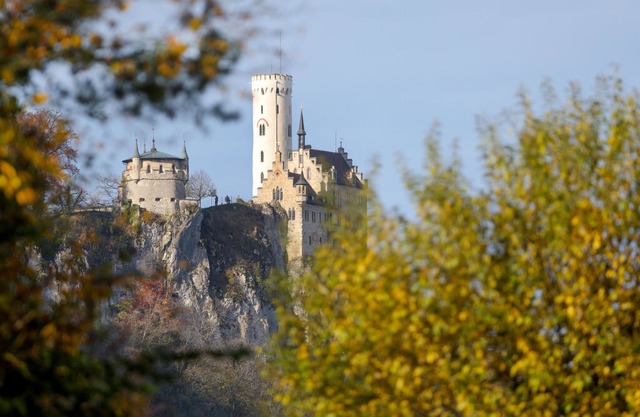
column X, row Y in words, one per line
column 217, row 261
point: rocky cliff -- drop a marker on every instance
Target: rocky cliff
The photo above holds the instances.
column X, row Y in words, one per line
column 216, row 261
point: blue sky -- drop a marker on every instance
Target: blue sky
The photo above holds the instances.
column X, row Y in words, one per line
column 379, row 73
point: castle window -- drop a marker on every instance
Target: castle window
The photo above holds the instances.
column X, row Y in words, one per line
column 293, row 214
column 313, row 217
column 261, row 156
column 261, row 109
column 173, row 168
column 157, row 198
column 141, row 200
column 262, row 177
column 321, row 241
column 262, row 129
column 173, row 199
column 148, row 168
column 308, row 173
column 309, row 239
column 277, row 109
column 262, row 91
column 306, row 215
column 289, row 130
column 161, row 170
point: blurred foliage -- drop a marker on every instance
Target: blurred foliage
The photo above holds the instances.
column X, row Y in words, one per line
column 55, row 357
column 518, row 299
column 96, row 52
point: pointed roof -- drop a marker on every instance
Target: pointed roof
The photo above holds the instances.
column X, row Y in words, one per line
column 302, row 181
column 301, row 130
column 136, row 153
column 184, row 150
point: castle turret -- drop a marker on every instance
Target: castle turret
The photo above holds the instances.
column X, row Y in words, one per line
column 271, row 122
column 155, row 180
column 185, row 157
column 136, row 163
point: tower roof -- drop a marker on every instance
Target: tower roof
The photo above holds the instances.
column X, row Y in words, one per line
column 301, row 130
column 302, row 181
column 184, row 150
column 153, row 154
column 136, row 153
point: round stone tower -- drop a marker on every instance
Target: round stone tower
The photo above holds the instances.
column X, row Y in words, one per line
column 271, row 122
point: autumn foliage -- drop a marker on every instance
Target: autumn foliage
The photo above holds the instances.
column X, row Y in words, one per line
column 520, row 298
column 56, row 358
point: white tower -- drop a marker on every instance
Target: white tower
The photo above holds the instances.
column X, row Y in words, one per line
column 271, row 122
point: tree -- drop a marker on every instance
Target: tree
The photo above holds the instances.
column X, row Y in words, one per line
column 222, row 386
column 107, row 190
column 55, row 139
column 95, row 52
column 517, row 299
column 53, row 361
column 200, row 185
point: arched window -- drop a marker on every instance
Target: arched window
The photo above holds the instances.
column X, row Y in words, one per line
column 161, row 170
column 261, row 156
column 148, row 168
column 281, row 194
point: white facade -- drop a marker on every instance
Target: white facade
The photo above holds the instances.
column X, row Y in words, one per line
column 272, row 128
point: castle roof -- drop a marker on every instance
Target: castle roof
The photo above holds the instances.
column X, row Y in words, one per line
column 337, row 161
column 154, row 154
column 301, row 181
column 301, row 130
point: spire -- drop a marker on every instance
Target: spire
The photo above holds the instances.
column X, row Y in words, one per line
column 153, row 141
column 136, row 153
column 184, row 150
column 301, row 132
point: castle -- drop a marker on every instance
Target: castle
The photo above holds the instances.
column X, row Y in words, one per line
column 315, row 188
column 155, row 180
